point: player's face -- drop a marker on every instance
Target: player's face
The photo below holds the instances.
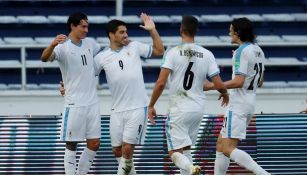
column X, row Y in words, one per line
column 233, row 35
column 121, row 36
column 80, row 30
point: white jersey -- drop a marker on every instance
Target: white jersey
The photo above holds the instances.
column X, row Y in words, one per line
column 248, row 60
column 190, row 65
column 124, row 74
column 77, row 67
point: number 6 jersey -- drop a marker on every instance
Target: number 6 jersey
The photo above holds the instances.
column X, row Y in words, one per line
column 190, row 64
column 248, row 60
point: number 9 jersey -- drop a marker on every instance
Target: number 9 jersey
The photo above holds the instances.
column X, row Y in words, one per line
column 248, row 60
column 190, row 64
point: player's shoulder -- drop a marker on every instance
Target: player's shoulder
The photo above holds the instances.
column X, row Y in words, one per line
column 103, row 52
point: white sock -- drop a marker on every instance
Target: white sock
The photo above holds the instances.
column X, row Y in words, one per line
column 181, row 161
column 118, row 160
column 125, row 166
column 246, row 161
column 221, row 163
column 188, row 154
column 70, row 162
column 85, row 161
column 132, row 171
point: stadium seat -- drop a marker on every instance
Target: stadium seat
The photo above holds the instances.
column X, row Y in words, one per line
column 32, row 86
column 130, row 19
column 3, row 86
column 57, row 19
column 104, row 40
column 161, row 19
column 151, row 63
column 223, row 61
column 49, row 86
column 38, row 64
column 215, row 18
column 278, row 17
column 32, row 19
column 14, row 86
column 203, row 40
column 225, row 39
column 298, row 84
column 8, row 19
column 176, row 18
column 98, row 19
column 274, row 84
column 18, row 40
column 145, row 39
column 171, row 40
column 44, row 40
column 252, row 17
column 295, row 38
column 1, row 41
column 300, row 16
column 268, row 38
column 10, row 64
column 283, row 61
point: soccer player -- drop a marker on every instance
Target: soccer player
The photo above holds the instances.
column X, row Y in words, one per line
column 186, row 66
column 81, row 116
column 247, row 76
column 122, row 65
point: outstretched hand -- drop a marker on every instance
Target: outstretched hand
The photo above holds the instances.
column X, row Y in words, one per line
column 148, row 22
column 152, row 115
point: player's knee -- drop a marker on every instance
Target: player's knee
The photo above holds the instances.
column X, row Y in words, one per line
column 117, row 151
column 72, row 146
column 227, row 151
column 93, row 144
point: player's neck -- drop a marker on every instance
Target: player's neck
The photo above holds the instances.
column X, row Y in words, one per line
column 74, row 39
column 186, row 39
column 115, row 46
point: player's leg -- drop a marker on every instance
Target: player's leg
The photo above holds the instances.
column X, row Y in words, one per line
column 236, row 129
column 179, row 141
column 68, row 134
column 221, row 162
column 93, row 132
column 133, row 134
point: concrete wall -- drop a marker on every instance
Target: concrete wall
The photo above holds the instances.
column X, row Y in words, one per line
column 47, row 102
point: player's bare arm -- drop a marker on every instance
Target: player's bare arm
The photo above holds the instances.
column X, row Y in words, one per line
column 48, row 54
column 236, row 82
column 157, row 91
column 149, row 25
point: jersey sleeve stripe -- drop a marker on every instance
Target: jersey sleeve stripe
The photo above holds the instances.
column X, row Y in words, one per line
column 238, row 55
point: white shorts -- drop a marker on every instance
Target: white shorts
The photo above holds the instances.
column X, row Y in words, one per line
column 235, row 124
column 80, row 123
column 128, row 126
column 182, row 129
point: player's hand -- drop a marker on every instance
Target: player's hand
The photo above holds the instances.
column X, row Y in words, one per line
column 58, row 39
column 62, row 89
column 152, row 115
column 148, row 22
column 225, row 99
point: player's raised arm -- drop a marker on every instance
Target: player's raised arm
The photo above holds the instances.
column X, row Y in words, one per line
column 149, row 25
column 48, row 54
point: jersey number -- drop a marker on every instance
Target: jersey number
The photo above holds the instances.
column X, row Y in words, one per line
column 258, row 69
column 188, row 77
column 121, row 64
column 83, row 60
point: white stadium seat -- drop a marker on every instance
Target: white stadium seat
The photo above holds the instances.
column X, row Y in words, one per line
column 57, row 19
column 268, row 38
column 18, row 40
column 44, row 40
column 225, row 39
column 8, row 19
column 252, row 17
column 299, row 16
column 295, row 38
column 129, row 19
column 161, row 19
column 98, row 19
column 277, row 17
column 207, row 39
column 215, row 18
column 32, row 19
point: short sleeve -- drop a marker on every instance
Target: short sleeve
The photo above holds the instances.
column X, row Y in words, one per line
column 213, row 68
column 95, row 46
column 98, row 65
column 58, row 52
column 241, row 63
column 144, row 50
column 167, row 61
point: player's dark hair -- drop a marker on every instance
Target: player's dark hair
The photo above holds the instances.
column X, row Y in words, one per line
column 189, row 25
column 113, row 25
column 244, row 28
column 75, row 19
